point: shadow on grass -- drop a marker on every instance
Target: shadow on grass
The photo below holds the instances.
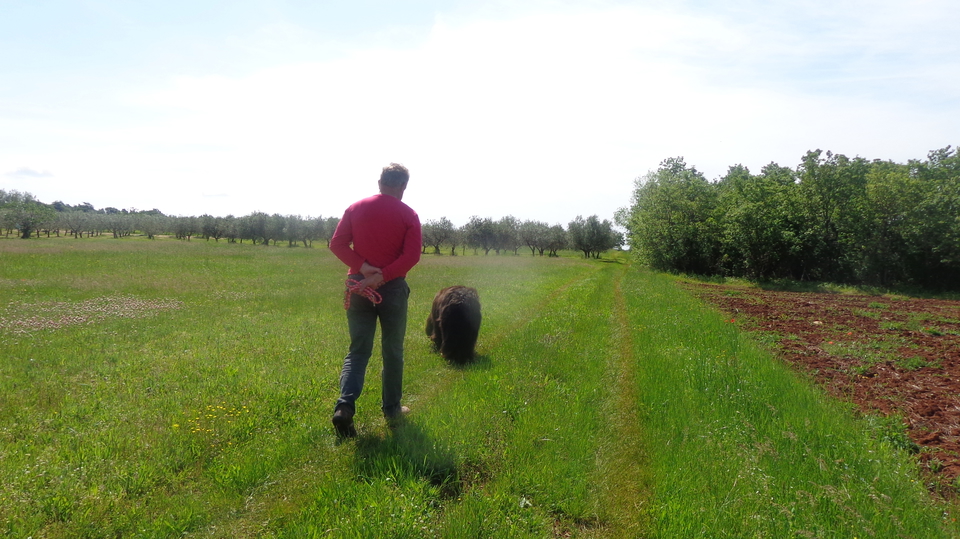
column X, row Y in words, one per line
column 822, row 287
column 407, row 451
column 611, row 260
column 480, row 362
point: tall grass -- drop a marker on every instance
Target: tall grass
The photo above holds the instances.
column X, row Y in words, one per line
column 747, row 449
column 168, row 389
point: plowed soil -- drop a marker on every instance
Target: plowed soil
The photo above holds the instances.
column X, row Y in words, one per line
column 889, row 355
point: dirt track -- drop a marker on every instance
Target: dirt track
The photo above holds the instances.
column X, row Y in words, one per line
column 888, row 355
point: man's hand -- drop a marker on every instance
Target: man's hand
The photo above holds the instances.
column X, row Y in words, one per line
column 368, row 271
column 373, row 281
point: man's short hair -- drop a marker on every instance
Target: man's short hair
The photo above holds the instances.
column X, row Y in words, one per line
column 394, row 175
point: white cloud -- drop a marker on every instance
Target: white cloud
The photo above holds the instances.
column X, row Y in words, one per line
column 544, row 116
column 24, row 172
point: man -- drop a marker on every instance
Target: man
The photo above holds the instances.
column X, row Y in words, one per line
column 379, row 239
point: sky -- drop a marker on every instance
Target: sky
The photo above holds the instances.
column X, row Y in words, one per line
column 543, row 110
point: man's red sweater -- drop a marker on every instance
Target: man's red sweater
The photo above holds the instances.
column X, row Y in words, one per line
column 384, row 232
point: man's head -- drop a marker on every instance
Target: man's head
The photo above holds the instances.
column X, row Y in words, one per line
column 393, row 179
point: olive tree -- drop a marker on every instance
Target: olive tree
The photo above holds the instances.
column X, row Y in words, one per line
column 480, row 234
column 23, row 212
column 533, row 234
column 507, row 234
column 436, row 233
column 592, row 237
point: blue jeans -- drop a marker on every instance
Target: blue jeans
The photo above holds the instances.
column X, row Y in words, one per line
column 362, row 321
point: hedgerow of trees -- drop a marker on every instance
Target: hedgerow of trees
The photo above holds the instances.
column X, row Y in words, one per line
column 22, row 213
column 833, row 218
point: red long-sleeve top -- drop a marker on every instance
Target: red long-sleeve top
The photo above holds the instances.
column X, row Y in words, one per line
column 383, row 231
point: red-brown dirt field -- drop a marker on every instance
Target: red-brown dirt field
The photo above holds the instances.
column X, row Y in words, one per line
column 888, row 355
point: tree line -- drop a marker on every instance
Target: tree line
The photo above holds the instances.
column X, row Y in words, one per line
column 833, row 218
column 590, row 236
column 26, row 216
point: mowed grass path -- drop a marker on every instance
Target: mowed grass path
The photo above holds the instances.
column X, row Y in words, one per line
column 163, row 389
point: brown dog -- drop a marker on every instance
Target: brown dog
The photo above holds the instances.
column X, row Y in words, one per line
column 454, row 323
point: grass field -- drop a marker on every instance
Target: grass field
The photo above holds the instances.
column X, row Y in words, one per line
column 167, row 389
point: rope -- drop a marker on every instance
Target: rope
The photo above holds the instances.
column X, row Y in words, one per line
column 353, row 287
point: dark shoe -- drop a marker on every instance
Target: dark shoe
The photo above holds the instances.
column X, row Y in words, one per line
column 395, row 420
column 343, row 422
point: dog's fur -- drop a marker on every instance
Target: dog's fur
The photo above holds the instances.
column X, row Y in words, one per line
column 454, row 323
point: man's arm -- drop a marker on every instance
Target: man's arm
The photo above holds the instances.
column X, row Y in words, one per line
column 341, row 241
column 340, row 245
column 410, row 254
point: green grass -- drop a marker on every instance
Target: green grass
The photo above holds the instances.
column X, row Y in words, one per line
column 169, row 389
column 869, row 352
column 747, row 450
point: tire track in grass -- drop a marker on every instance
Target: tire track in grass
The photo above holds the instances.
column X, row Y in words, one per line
column 548, row 388
column 622, row 458
column 532, row 312
column 577, row 470
column 432, row 460
column 529, row 314
column 420, row 450
column 618, row 489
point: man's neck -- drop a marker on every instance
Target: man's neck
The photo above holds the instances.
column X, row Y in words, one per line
column 395, row 192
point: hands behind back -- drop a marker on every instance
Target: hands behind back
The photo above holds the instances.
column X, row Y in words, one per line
column 372, row 276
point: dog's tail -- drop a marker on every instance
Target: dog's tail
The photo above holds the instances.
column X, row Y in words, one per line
column 461, row 326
